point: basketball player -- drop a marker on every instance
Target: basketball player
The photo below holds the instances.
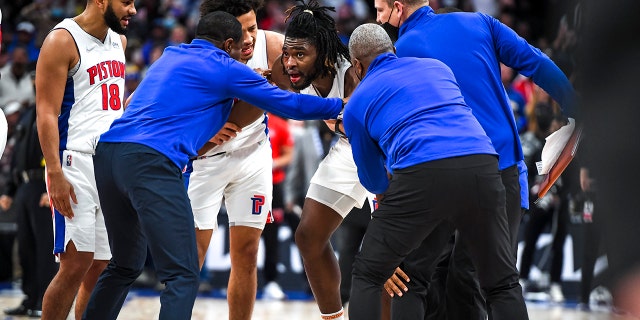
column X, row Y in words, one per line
column 139, row 161
column 238, row 168
column 80, row 87
column 317, row 63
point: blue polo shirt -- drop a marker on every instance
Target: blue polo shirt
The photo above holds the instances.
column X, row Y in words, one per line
column 473, row 45
column 397, row 118
column 187, row 95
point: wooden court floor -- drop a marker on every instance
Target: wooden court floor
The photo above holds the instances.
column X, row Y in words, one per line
column 144, row 307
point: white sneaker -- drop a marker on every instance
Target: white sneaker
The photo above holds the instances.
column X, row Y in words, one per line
column 555, row 293
column 272, row 291
column 600, row 299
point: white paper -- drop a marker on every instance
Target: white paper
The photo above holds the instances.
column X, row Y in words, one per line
column 553, row 146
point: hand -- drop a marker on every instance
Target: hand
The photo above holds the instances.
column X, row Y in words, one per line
column 44, row 200
column 396, row 284
column 266, row 73
column 228, row 131
column 61, row 193
column 5, row 202
column 331, row 124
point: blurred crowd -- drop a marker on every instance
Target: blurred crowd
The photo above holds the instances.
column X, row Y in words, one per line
column 550, row 25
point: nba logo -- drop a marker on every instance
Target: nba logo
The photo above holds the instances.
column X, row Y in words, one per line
column 68, row 160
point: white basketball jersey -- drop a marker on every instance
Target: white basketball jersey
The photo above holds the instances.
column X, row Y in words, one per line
column 93, row 95
column 337, row 89
column 256, row 131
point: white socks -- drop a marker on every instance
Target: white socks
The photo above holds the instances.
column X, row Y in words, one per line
column 334, row 316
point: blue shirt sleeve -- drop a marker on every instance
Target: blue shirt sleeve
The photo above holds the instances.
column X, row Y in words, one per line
column 249, row 86
column 367, row 155
column 515, row 52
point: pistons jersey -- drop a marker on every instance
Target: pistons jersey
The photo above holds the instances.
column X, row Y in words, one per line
column 337, row 88
column 93, row 94
column 255, row 132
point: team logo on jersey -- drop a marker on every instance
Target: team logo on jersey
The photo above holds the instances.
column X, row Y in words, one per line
column 375, row 204
column 115, row 44
column 69, row 158
column 258, row 202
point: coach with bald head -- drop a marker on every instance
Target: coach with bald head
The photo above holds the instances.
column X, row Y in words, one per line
column 442, row 165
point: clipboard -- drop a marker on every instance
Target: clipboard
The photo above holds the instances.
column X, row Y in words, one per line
column 566, row 156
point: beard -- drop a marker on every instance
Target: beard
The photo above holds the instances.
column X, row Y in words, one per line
column 113, row 22
column 306, row 83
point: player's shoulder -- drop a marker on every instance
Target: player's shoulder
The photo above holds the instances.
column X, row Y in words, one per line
column 274, row 41
column 58, row 42
column 274, row 38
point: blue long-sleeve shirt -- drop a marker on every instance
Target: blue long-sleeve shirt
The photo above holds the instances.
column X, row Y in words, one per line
column 472, row 45
column 187, row 96
column 397, row 118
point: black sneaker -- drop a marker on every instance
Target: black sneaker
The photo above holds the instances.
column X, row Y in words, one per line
column 17, row 311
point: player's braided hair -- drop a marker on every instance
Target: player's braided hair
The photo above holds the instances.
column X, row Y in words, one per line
column 234, row 7
column 312, row 22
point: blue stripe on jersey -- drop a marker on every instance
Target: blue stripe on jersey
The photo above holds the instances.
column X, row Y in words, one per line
column 266, row 124
column 58, row 232
column 65, row 112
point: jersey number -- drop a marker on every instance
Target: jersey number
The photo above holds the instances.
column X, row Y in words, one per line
column 111, row 97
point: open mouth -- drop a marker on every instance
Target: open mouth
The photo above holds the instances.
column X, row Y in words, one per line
column 247, row 51
column 294, row 77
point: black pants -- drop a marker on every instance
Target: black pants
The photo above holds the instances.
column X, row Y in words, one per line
column 538, row 219
column 467, row 191
column 270, row 236
column 449, row 289
column 145, row 203
column 348, row 238
column 35, row 242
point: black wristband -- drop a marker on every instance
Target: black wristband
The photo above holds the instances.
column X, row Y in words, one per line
column 336, row 127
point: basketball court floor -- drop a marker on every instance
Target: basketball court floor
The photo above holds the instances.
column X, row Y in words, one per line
column 145, row 306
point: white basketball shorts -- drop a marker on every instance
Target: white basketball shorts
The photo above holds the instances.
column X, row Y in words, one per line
column 86, row 229
column 242, row 177
column 336, row 183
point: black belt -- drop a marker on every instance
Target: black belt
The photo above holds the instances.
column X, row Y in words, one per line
column 32, row 175
column 209, row 156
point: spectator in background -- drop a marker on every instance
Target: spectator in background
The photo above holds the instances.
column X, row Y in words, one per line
column 157, row 39
column 548, row 211
column 8, row 263
column 45, row 15
column 25, row 37
column 274, row 17
column 16, row 83
column 27, row 195
column 179, row 34
column 281, row 153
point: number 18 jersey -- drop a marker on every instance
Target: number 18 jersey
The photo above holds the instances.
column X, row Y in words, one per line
column 93, row 95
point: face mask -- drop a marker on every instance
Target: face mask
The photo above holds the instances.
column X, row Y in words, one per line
column 390, row 29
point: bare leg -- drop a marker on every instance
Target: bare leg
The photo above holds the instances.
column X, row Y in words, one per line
column 62, row 290
column 385, row 305
column 87, row 285
column 243, row 280
column 317, row 223
column 203, row 238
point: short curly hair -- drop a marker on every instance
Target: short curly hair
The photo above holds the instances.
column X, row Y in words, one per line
column 234, row 7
